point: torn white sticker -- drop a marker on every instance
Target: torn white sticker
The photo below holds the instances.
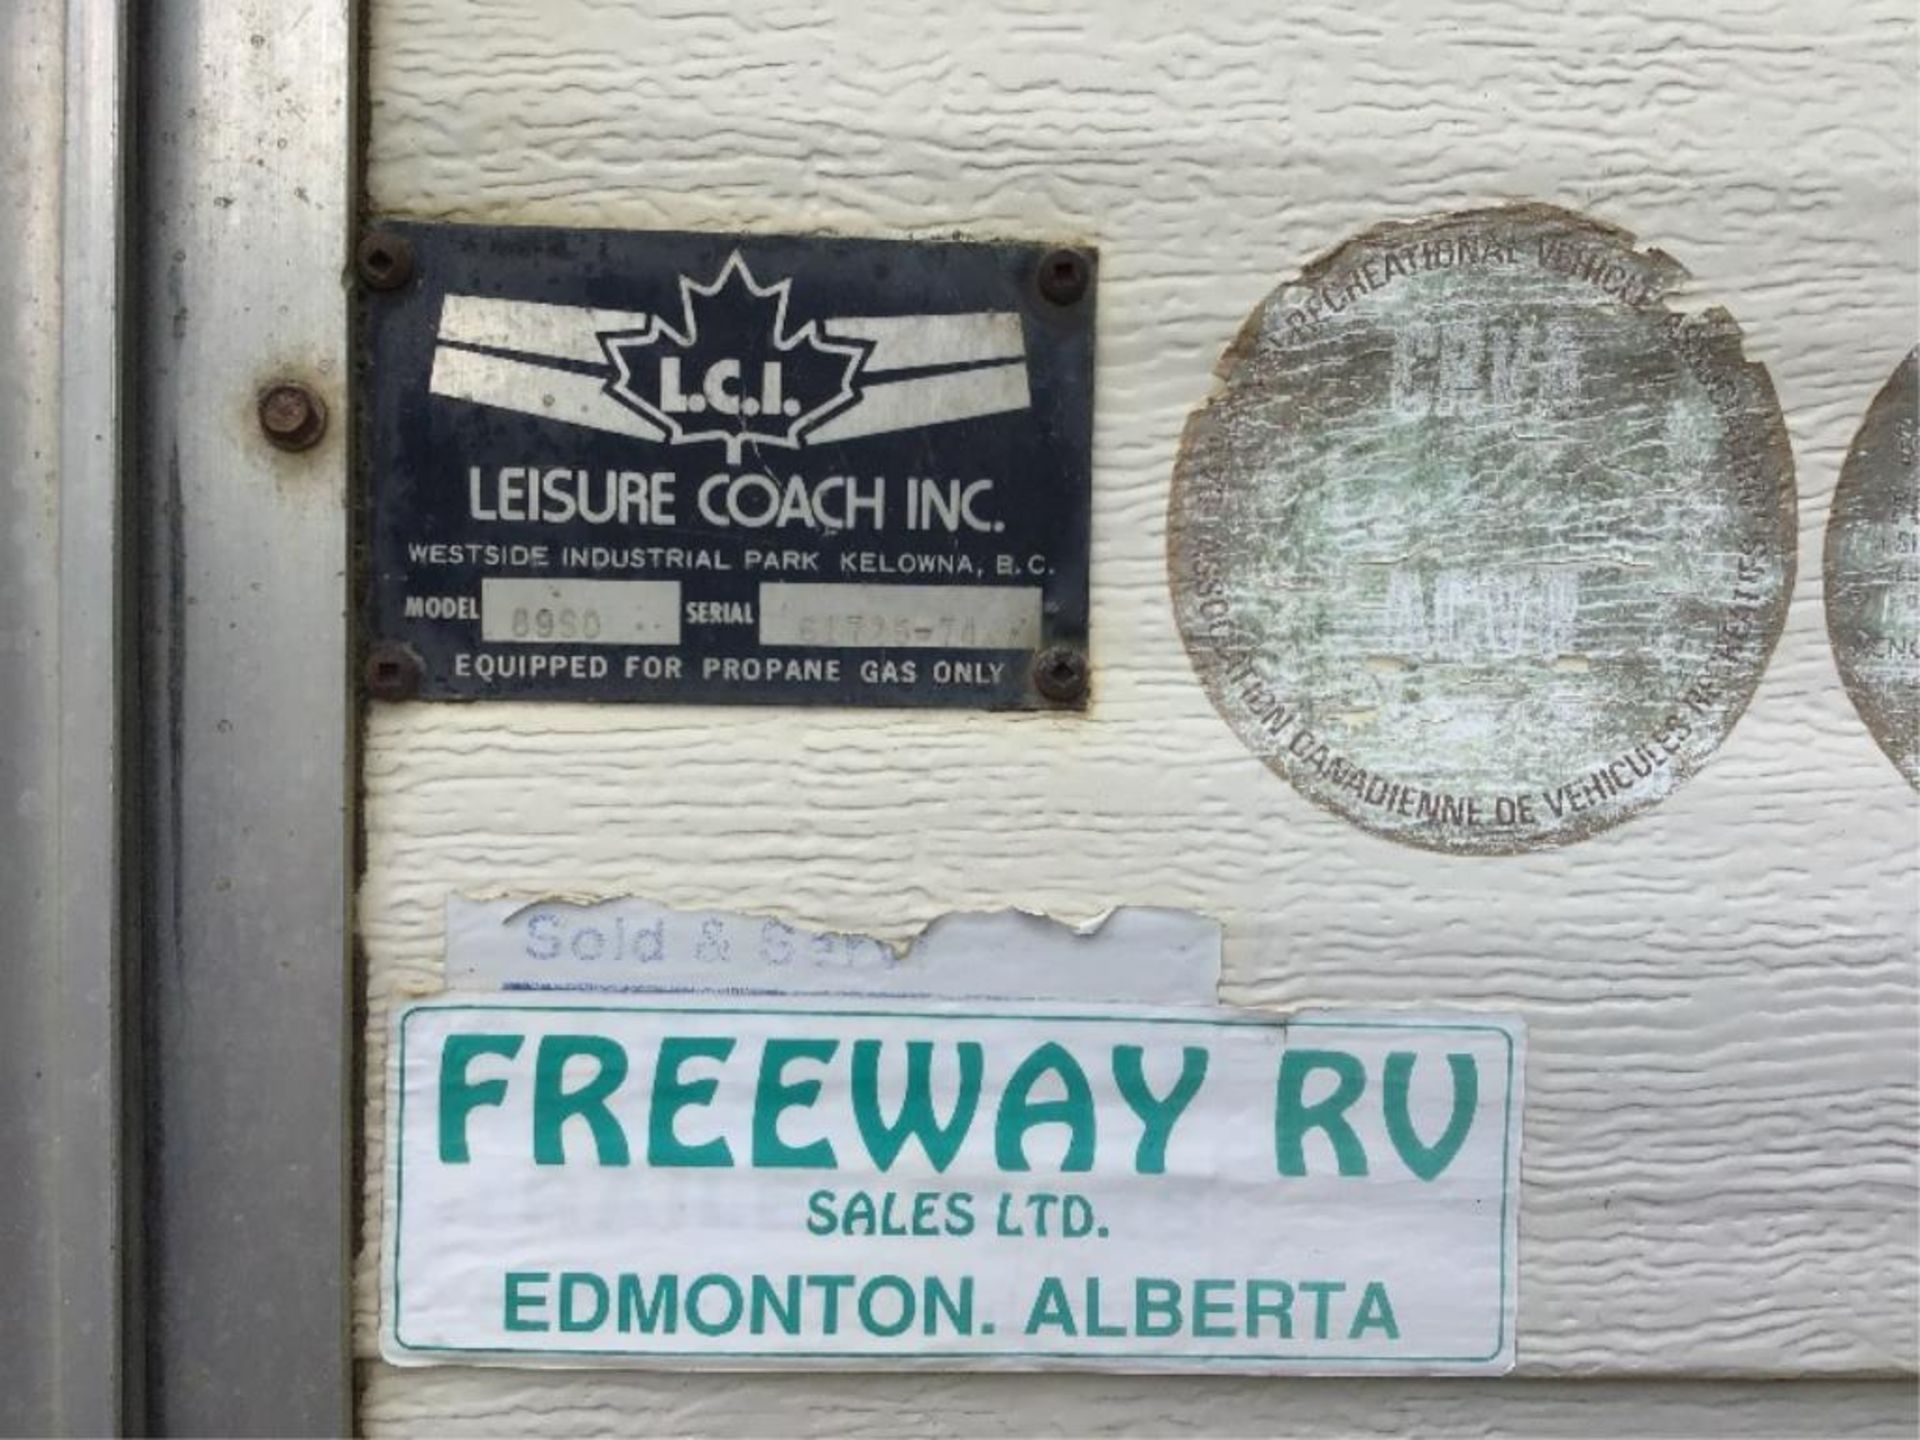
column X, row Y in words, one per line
column 752, row 1182
column 1135, row 953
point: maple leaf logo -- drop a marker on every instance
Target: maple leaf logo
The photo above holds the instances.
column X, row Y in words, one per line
column 732, row 371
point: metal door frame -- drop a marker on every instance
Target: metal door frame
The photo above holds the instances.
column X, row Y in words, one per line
column 177, row 717
column 65, row 1053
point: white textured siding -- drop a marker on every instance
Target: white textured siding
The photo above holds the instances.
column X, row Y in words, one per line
column 1720, row 994
column 855, row 1407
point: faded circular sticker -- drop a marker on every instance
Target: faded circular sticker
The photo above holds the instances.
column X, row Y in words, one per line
column 1873, row 570
column 1479, row 543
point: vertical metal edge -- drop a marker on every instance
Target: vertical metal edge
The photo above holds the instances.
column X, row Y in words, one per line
column 245, row 194
column 101, row 1016
column 65, row 1129
column 360, row 208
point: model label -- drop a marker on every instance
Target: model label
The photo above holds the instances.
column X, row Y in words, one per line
column 789, row 1182
column 738, row 468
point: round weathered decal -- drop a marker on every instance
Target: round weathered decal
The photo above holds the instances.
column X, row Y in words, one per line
column 1873, row 570
column 1480, row 544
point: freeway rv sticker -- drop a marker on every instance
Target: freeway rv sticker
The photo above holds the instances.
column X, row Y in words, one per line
column 670, row 467
column 782, row 1183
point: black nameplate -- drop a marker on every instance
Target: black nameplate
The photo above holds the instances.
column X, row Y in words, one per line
column 612, row 465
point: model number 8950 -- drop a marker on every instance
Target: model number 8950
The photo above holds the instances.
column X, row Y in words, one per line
column 555, row 622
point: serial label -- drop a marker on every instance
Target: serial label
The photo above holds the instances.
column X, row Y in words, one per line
column 710, row 468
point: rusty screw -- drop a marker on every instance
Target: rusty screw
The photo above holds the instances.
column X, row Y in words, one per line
column 384, row 260
column 393, row 672
column 292, row 416
column 1060, row 674
column 1064, row 275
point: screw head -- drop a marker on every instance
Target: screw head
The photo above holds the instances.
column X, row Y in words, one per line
column 292, row 416
column 384, row 260
column 1060, row 674
column 1064, row 275
column 393, row 672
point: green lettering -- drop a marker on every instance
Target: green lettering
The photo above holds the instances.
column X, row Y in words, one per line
column 1375, row 1312
column 1094, row 1327
column 573, row 1281
column 766, row 1300
column 553, row 1105
column 671, row 1095
column 941, row 1301
column 1019, row 1112
column 871, row 1322
column 460, row 1096
column 519, row 1301
column 830, row 1286
column 1294, row 1119
column 1050, row 1308
column 1213, row 1298
column 729, row 1288
column 649, row 1315
column 774, row 1096
column 1157, row 1114
column 1425, row 1162
column 1156, row 1307
column 885, row 1142
column 1321, row 1290
column 1281, row 1309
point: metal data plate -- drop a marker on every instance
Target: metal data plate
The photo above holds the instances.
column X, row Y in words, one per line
column 611, row 465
